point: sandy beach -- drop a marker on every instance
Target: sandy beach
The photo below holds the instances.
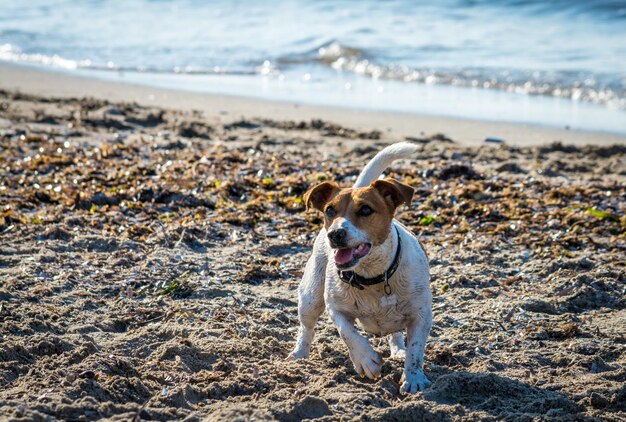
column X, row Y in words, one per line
column 151, row 244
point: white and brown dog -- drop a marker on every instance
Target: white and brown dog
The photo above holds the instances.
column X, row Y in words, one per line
column 368, row 267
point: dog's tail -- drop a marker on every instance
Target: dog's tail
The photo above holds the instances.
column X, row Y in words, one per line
column 382, row 160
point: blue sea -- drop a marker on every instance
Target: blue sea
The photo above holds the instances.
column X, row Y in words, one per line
column 556, row 63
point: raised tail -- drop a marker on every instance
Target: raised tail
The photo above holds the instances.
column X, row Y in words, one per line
column 382, row 160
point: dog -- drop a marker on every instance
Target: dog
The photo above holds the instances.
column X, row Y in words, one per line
column 369, row 268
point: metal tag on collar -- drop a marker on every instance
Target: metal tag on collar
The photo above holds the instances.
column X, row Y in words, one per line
column 387, row 287
column 388, row 299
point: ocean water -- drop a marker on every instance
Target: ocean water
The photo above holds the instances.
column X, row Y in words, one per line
column 557, row 63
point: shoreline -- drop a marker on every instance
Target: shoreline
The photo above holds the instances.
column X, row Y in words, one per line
column 224, row 108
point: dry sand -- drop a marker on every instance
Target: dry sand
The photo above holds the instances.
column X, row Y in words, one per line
column 149, row 261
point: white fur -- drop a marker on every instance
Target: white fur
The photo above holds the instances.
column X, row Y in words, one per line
column 382, row 160
column 346, row 305
column 354, row 236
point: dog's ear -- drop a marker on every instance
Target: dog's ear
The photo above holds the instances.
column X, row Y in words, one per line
column 396, row 192
column 319, row 195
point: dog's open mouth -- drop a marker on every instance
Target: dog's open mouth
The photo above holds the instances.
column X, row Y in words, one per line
column 347, row 257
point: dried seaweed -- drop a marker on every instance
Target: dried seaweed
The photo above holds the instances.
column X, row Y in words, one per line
column 150, row 260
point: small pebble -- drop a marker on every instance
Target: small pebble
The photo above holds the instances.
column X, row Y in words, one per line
column 87, row 375
column 586, row 263
column 493, row 140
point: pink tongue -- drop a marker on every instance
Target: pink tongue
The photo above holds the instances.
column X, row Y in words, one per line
column 343, row 255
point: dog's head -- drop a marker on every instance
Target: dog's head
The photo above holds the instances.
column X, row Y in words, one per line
column 357, row 219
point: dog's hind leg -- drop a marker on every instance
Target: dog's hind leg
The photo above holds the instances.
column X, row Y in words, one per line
column 311, row 298
column 396, row 345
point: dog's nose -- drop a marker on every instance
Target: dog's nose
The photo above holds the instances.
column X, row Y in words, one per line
column 337, row 237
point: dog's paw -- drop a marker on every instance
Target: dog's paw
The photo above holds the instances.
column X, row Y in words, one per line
column 298, row 354
column 398, row 354
column 367, row 363
column 414, row 383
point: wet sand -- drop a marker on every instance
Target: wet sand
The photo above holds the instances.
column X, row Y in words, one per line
column 150, row 257
column 227, row 109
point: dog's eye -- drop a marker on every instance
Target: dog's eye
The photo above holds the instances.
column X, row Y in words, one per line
column 364, row 211
column 330, row 212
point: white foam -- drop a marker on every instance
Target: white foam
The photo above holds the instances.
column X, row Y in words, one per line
column 12, row 53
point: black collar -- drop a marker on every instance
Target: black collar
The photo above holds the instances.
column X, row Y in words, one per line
column 359, row 281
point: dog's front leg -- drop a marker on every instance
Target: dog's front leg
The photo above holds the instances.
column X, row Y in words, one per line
column 417, row 333
column 310, row 298
column 365, row 360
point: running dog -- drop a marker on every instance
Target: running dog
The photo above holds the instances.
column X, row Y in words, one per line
column 369, row 268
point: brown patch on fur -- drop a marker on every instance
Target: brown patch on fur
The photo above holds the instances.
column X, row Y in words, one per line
column 398, row 193
column 382, row 196
column 319, row 195
column 347, row 204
